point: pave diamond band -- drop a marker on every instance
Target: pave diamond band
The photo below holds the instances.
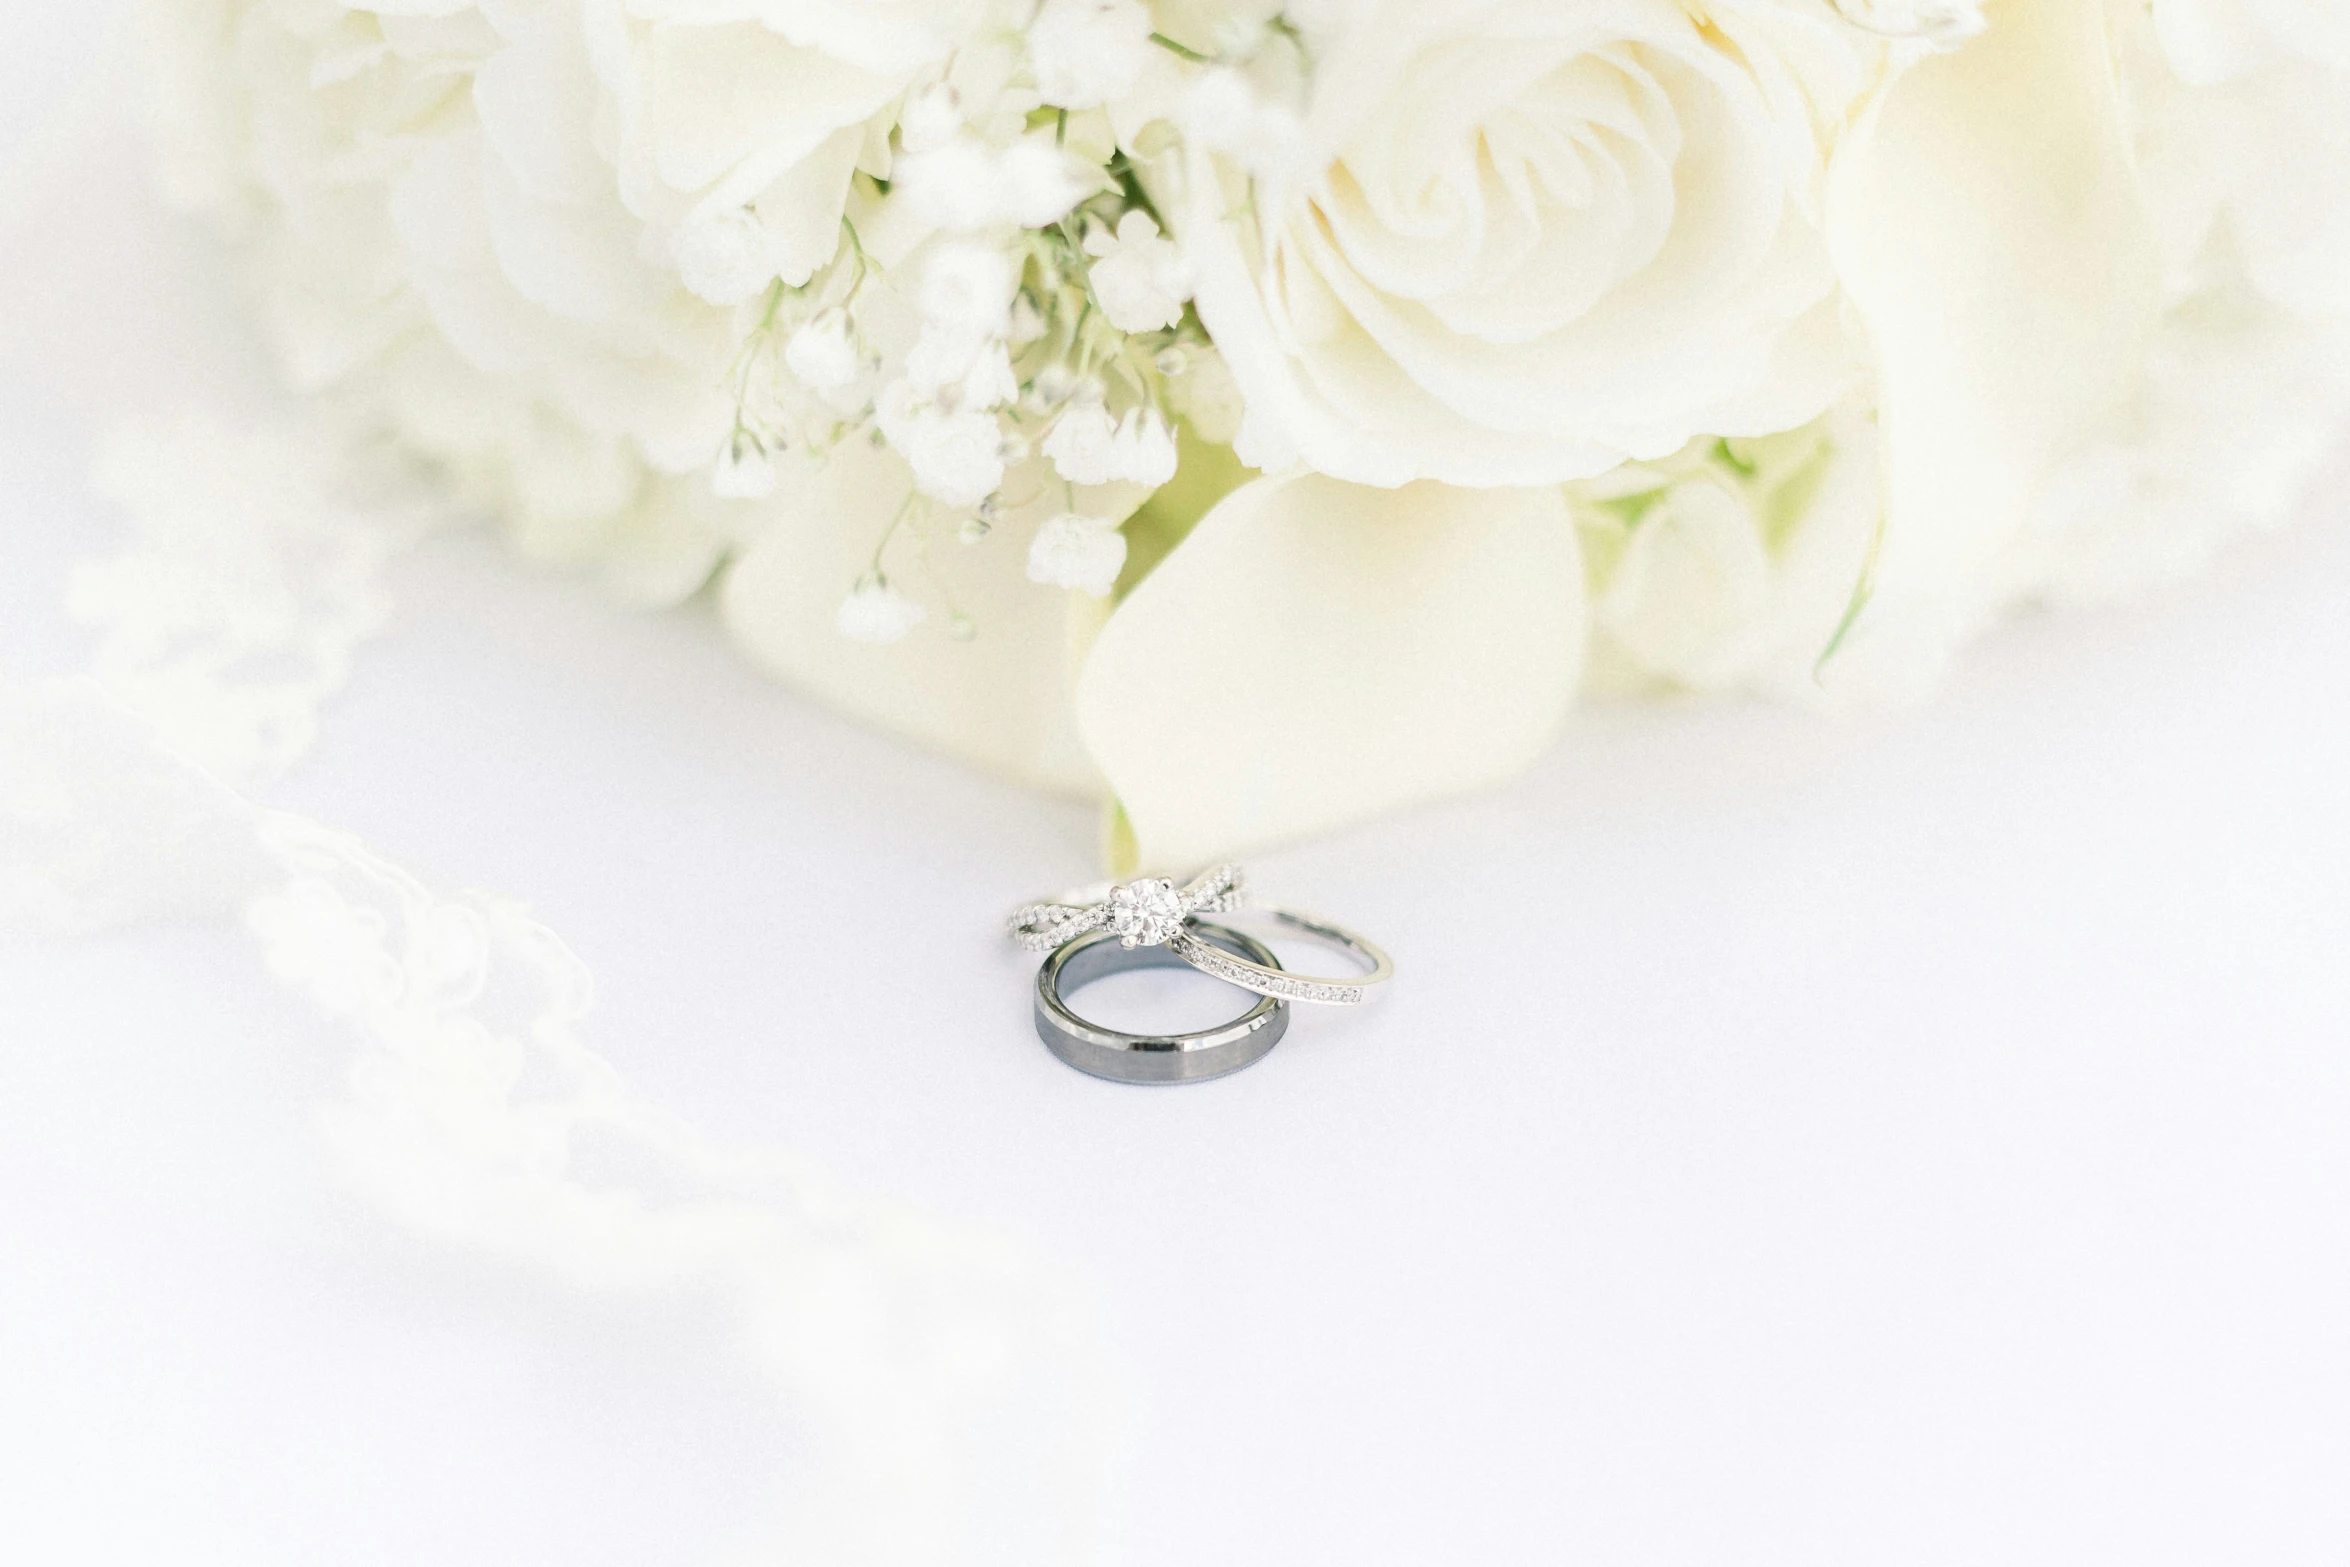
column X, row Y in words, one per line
column 1278, row 983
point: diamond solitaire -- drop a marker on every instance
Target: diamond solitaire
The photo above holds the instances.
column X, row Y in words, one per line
column 1145, row 913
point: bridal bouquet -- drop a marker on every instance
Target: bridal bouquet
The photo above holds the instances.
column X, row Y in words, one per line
column 1263, row 415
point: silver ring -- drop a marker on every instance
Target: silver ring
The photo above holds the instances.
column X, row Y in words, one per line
column 1151, row 1058
column 1139, row 913
column 1273, row 980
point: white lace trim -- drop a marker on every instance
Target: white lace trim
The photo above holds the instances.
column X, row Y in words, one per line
column 958, row 1380
column 250, row 576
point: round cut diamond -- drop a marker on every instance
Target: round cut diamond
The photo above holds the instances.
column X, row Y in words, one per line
column 1145, row 913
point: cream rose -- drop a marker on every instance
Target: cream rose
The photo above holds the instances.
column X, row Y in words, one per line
column 1524, row 241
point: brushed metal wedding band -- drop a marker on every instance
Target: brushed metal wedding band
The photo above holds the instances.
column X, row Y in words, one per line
column 1154, row 1058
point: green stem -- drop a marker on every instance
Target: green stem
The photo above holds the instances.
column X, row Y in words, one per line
column 1182, row 51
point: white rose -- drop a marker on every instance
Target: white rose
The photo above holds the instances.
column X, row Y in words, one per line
column 1535, row 240
column 2245, row 396
column 2245, row 177
column 516, row 231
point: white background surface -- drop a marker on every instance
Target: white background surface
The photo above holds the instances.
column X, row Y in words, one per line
column 1912, row 1140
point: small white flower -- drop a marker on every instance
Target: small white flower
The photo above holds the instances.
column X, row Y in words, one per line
column 957, row 369
column 1083, row 442
column 956, row 454
column 931, row 118
column 745, row 472
column 824, row 352
column 943, row 356
column 953, row 186
column 727, row 255
column 1079, row 552
column 1145, row 448
column 1139, row 279
column 964, row 186
column 969, row 288
column 990, row 382
column 1037, row 183
column 876, row 612
column 1086, row 52
column 1054, row 385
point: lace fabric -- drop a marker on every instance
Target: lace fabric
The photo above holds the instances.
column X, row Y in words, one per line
column 955, row 1379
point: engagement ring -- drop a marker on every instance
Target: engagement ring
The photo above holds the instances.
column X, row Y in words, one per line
column 1146, row 913
column 1153, row 912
